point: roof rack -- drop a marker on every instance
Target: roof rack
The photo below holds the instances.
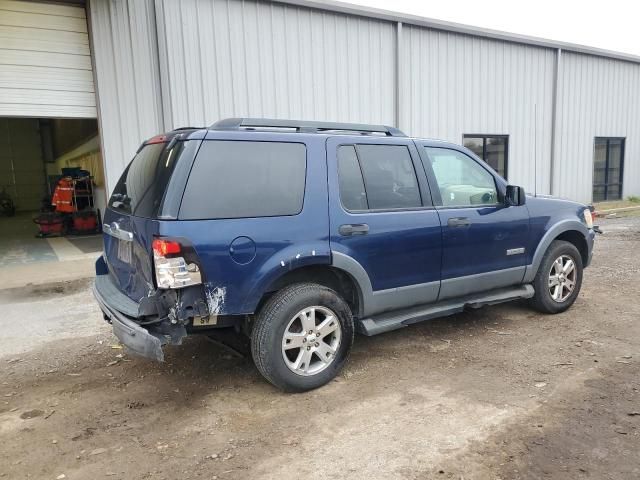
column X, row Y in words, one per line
column 304, row 126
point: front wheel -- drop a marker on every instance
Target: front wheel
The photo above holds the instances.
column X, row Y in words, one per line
column 302, row 337
column 559, row 278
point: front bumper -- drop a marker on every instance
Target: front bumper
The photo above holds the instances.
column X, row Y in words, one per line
column 145, row 342
column 590, row 241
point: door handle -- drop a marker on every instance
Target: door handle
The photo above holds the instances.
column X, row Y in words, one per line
column 353, row 229
column 458, row 222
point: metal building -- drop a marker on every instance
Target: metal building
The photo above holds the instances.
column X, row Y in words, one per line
column 553, row 117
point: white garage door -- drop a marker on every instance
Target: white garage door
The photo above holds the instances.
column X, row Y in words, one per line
column 45, row 63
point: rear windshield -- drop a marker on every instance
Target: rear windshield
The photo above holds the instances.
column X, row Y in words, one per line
column 239, row 179
column 141, row 187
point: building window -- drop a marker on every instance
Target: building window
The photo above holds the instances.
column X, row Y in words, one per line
column 493, row 149
column 608, row 163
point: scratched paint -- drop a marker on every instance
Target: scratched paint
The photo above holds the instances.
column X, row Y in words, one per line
column 215, row 298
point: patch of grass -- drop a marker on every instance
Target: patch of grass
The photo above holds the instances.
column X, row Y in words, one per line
column 633, row 199
column 616, row 204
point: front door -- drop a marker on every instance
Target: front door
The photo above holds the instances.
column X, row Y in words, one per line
column 483, row 239
column 383, row 223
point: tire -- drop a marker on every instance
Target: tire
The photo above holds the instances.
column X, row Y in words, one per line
column 543, row 283
column 284, row 365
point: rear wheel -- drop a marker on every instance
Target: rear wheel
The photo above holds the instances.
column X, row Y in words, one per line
column 302, row 337
column 559, row 278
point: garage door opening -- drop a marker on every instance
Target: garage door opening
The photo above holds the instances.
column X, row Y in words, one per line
column 36, row 156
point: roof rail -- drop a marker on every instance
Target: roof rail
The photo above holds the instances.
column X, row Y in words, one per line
column 304, row 126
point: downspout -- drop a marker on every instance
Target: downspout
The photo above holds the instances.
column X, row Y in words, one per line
column 554, row 119
column 398, row 74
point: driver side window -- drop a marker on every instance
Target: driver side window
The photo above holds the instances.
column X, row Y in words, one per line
column 461, row 180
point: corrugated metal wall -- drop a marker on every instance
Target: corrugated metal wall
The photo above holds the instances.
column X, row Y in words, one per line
column 162, row 64
column 453, row 84
column 45, row 63
column 224, row 58
column 128, row 81
column 597, row 97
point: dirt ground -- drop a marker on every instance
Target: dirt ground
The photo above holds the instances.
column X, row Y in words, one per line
column 498, row 393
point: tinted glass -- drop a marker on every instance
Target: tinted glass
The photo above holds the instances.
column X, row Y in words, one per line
column 352, row 192
column 496, row 154
column 389, row 176
column 615, row 160
column 598, row 193
column 461, row 180
column 476, row 145
column 600, row 163
column 142, row 185
column 493, row 150
column 245, row 179
column 608, row 161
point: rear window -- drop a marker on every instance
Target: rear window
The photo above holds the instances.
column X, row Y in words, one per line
column 237, row 179
column 141, row 187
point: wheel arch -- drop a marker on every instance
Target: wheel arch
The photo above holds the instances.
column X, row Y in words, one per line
column 571, row 231
column 339, row 280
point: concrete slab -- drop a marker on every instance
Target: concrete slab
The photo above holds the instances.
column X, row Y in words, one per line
column 28, row 260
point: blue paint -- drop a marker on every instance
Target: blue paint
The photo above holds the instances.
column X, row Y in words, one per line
column 244, row 256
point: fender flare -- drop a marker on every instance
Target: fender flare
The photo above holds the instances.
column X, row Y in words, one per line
column 284, row 261
column 557, row 229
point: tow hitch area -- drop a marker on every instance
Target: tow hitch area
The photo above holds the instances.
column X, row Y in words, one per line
column 140, row 340
column 161, row 319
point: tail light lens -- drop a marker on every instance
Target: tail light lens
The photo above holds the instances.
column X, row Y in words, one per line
column 172, row 270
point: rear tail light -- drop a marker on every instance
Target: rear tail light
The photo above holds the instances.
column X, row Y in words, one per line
column 172, row 270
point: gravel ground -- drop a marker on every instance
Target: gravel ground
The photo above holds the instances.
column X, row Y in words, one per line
column 501, row 392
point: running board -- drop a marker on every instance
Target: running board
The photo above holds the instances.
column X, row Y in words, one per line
column 385, row 322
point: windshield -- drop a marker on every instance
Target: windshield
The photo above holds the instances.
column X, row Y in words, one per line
column 141, row 187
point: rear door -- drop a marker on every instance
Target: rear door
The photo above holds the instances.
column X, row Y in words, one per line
column 483, row 239
column 382, row 218
column 131, row 219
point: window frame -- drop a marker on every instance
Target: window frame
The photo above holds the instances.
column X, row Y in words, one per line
column 607, row 183
column 484, row 137
column 499, row 182
column 426, row 199
column 245, row 140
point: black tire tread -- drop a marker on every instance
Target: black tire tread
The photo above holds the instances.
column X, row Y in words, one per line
column 265, row 323
column 539, row 301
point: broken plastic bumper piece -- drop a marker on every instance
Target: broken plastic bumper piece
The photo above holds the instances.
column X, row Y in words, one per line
column 142, row 341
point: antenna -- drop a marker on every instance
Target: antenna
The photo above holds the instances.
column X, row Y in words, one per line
column 535, row 150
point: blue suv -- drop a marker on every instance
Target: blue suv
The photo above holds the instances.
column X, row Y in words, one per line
column 296, row 234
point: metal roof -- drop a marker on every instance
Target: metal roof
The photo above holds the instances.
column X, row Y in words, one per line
column 370, row 12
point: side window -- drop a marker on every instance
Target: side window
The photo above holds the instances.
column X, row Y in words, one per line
column 461, row 180
column 389, row 177
column 239, row 179
column 352, row 192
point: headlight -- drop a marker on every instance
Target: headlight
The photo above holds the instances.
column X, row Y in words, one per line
column 588, row 219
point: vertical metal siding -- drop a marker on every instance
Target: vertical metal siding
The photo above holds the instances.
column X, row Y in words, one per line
column 45, row 64
column 598, row 97
column 162, row 64
column 454, row 84
column 227, row 58
column 128, row 84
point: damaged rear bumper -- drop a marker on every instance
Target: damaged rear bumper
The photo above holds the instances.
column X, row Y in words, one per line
column 145, row 342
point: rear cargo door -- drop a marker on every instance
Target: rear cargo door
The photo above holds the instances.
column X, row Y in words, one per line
column 131, row 219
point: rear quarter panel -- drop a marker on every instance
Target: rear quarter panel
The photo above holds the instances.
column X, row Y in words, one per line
column 281, row 243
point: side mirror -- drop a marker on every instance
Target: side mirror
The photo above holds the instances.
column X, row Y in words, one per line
column 514, row 196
